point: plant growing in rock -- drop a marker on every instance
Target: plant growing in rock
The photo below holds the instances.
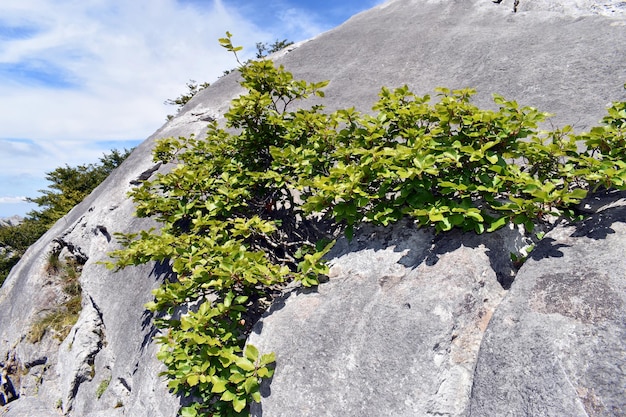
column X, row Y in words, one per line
column 603, row 164
column 60, row 318
column 193, row 88
column 264, row 49
column 231, row 233
column 104, row 385
column 447, row 164
column 241, row 209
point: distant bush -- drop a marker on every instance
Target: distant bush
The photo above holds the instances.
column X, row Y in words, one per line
column 69, row 186
column 14, row 240
column 193, row 88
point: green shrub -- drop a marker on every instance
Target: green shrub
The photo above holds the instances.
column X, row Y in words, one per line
column 223, row 209
column 239, row 208
column 447, row 164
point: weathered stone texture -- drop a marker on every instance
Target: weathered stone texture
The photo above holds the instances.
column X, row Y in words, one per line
column 556, row 345
column 395, row 332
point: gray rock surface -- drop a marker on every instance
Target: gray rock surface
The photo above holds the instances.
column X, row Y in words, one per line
column 556, row 345
column 564, row 57
column 395, row 332
column 113, row 337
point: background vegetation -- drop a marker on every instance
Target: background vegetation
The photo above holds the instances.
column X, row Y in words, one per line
column 68, row 187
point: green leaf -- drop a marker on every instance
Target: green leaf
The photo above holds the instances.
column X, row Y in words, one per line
column 219, row 384
column 239, row 403
column 228, row 396
column 189, row 411
column 256, row 396
column 435, row 216
column 493, row 158
column 265, row 372
column 251, row 384
column 193, row 380
column 577, row 194
column 252, row 353
column 268, row 358
column 245, row 364
column 497, row 224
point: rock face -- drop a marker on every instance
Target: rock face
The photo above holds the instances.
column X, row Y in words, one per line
column 555, row 346
column 395, row 332
column 409, row 323
column 421, row 327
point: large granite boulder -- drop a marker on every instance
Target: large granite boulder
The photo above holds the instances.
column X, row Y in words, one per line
column 398, row 328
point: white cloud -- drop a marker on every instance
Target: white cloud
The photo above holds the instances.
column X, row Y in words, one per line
column 12, row 200
column 125, row 57
column 296, row 20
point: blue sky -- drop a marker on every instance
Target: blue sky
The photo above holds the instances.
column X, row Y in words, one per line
column 80, row 78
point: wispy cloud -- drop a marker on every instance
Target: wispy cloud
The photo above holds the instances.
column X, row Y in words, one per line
column 18, row 147
column 115, row 61
column 12, row 200
column 297, row 20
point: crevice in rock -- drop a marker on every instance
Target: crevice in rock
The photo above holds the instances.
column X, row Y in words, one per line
column 204, row 117
column 124, row 383
column 36, row 362
column 99, row 312
column 103, row 230
column 515, row 4
column 146, row 174
column 71, row 228
column 88, row 340
column 75, row 251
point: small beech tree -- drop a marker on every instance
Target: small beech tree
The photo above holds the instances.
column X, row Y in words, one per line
column 233, row 229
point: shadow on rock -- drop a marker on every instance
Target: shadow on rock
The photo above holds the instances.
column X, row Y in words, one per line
column 148, row 324
column 547, row 248
column 162, row 272
column 599, row 225
column 422, row 245
column 280, row 301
